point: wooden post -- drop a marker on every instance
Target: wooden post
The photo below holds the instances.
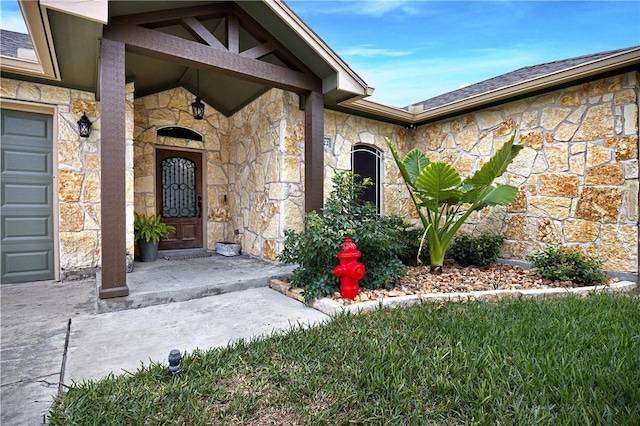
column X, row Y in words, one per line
column 112, row 179
column 314, row 152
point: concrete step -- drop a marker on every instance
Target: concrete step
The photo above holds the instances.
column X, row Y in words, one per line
column 165, row 281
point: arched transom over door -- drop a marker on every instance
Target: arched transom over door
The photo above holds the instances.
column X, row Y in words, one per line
column 179, row 197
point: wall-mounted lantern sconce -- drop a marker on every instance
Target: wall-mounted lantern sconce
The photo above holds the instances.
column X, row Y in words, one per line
column 198, row 106
column 84, row 126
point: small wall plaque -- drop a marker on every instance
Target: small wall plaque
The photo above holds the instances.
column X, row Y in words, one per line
column 327, row 141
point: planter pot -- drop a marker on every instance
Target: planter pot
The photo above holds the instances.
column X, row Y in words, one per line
column 148, row 251
column 227, row 248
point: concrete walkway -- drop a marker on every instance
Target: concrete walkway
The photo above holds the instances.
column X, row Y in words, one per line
column 38, row 317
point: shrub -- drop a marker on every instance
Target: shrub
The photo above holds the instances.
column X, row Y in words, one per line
column 479, row 251
column 383, row 241
column 412, row 238
column 568, row 265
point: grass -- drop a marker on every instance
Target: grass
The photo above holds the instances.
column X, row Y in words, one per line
column 565, row 361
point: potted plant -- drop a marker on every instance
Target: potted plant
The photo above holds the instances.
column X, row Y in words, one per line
column 148, row 230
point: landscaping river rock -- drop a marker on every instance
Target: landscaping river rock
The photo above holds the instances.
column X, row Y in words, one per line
column 457, row 279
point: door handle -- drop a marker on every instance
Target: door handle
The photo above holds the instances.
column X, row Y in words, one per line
column 199, row 206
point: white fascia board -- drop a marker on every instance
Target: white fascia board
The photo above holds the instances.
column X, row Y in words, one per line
column 93, row 10
column 347, row 79
column 622, row 60
column 578, row 72
column 375, row 108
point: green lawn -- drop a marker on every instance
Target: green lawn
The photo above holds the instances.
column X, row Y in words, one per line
column 565, row 361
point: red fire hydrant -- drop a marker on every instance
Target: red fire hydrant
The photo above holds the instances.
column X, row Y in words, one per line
column 349, row 270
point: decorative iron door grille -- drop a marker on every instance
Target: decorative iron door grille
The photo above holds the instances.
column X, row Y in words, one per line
column 178, row 187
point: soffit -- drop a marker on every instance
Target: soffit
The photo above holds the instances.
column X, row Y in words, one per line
column 76, row 46
column 76, row 50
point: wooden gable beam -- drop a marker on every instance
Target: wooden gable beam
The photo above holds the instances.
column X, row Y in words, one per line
column 162, row 18
column 233, row 34
column 163, row 46
column 199, row 31
column 259, row 51
column 190, row 18
column 259, row 33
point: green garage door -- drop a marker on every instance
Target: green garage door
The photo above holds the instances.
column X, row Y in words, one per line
column 27, row 197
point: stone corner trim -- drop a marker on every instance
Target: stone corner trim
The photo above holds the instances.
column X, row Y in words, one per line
column 330, row 307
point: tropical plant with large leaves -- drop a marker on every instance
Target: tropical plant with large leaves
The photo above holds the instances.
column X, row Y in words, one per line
column 445, row 201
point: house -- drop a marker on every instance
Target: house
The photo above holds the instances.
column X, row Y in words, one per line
column 281, row 112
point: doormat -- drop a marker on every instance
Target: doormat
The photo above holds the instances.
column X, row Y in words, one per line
column 185, row 256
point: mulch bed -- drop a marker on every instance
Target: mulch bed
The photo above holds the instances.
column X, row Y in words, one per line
column 458, row 279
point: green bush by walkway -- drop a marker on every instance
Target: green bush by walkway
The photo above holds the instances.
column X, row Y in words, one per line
column 568, row 361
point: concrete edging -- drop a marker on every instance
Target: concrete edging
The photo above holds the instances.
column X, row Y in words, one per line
column 330, row 307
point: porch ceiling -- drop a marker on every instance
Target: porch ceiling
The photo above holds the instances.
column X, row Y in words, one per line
column 77, row 41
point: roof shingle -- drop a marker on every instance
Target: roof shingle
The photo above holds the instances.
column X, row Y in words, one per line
column 514, row 77
column 11, row 41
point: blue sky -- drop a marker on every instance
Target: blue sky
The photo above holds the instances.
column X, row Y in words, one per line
column 10, row 17
column 410, row 51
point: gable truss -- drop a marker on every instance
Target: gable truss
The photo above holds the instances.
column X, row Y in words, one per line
column 224, row 40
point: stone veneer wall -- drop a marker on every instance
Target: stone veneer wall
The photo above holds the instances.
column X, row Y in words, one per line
column 347, row 131
column 578, row 172
column 78, row 170
column 255, row 158
column 170, row 108
column 266, row 187
column 129, row 172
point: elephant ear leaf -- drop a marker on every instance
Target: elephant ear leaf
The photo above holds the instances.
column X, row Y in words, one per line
column 412, row 164
column 415, row 161
column 438, row 183
column 501, row 194
column 496, row 166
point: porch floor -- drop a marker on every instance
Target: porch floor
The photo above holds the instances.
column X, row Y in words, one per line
column 165, row 281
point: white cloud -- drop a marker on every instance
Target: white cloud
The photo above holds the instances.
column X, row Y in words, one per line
column 404, row 81
column 381, row 7
column 370, row 51
column 376, row 8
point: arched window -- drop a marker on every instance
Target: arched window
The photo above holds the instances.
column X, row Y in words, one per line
column 180, row 133
column 366, row 162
